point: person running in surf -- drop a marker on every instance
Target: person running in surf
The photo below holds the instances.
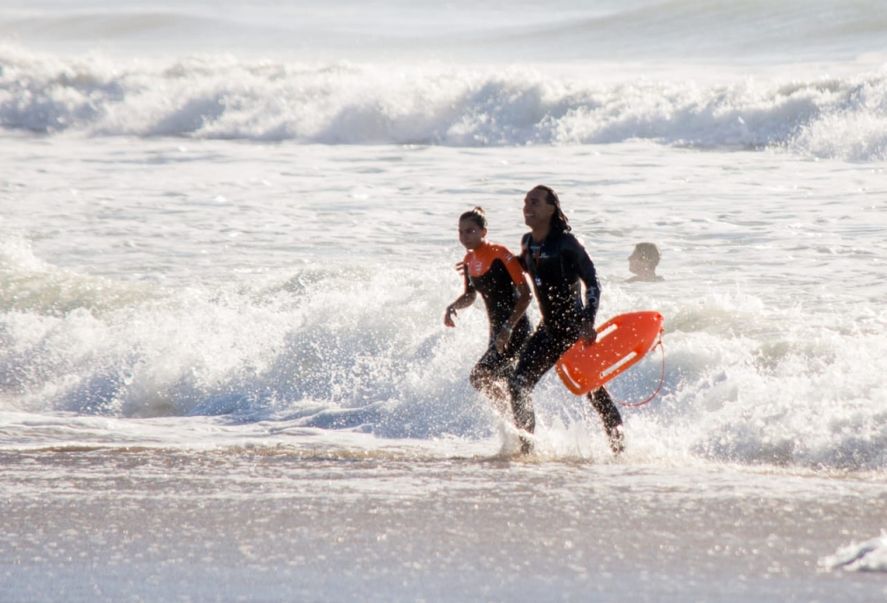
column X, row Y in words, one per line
column 557, row 264
column 492, row 271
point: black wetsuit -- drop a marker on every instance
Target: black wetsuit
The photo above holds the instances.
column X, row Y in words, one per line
column 558, row 266
column 494, row 272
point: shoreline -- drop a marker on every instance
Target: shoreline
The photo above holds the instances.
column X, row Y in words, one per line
column 241, row 526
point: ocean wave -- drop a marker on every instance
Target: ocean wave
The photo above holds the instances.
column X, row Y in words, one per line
column 222, row 97
column 29, row 284
column 713, row 28
column 564, row 31
column 310, row 349
column 306, row 353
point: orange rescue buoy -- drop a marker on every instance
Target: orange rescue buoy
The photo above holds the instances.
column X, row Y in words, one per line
column 621, row 342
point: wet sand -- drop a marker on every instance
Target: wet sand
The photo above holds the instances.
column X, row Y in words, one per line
column 281, row 524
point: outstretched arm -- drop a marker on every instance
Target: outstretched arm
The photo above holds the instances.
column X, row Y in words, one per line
column 463, row 301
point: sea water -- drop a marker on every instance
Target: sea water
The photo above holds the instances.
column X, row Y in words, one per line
column 228, row 235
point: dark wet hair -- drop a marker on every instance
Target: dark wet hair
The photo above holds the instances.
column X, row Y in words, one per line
column 559, row 220
column 476, row 215
column 647, row 252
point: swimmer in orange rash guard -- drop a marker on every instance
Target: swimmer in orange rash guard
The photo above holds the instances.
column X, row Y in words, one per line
column 496, row 274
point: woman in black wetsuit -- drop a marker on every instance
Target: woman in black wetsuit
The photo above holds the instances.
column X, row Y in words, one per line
column 496, row 274
column 557, row 263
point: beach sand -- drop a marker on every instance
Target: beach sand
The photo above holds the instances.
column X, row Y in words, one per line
column 299, row 524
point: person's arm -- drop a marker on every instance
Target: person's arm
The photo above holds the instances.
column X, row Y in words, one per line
column 463, row 301
column 520, row 307
column 516, row 270
column 588, row 275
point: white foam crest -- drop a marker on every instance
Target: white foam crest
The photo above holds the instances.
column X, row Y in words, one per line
column 16, row 255
column 217, row 96
column 801, row 394
column 324, row 349
column 866, row 556
column 27, row 283
column 318, row 350
column 858, row 131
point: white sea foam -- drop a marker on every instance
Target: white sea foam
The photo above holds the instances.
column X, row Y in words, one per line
column 867, row 556
column 343, row 103
column 303, row 351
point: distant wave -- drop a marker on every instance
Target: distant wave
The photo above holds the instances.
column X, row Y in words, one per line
column 715, row 28
column 518, row 31
column 339, row 103
column 105, row 23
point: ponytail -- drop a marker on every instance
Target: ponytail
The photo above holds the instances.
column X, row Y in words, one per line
column 476, row 215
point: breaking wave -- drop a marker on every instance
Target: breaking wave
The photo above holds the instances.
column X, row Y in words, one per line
column 310, row 349
column 222, row 97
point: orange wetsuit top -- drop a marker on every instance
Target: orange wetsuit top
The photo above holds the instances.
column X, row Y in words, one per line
column 495, row 273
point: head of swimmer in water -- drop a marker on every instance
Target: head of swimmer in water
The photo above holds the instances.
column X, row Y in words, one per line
column 542, row 206
column 644, row 259
column 473, row 228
